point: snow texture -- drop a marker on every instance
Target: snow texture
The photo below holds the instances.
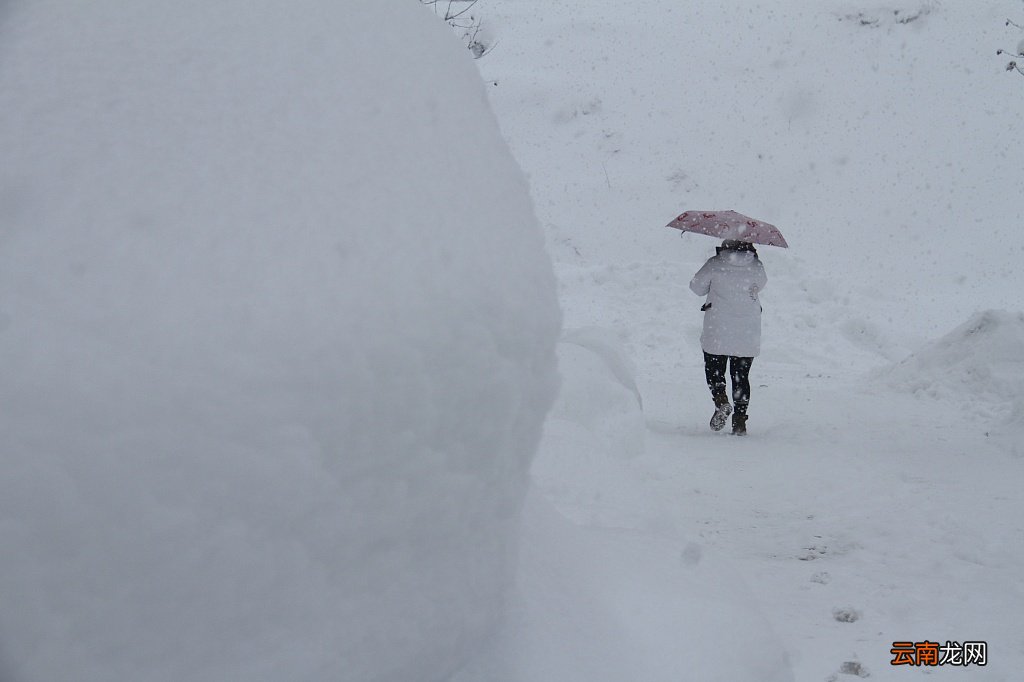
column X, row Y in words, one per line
column 979, row 366
column 610, row 606
column 980, row 363
column 876, row 499
column 277, row 339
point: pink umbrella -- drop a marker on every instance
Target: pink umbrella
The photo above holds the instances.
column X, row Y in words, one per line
column 729, row 225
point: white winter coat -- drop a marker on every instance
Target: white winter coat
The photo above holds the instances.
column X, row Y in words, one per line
column 732, row 324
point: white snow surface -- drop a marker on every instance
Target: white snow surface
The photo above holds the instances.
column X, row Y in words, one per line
column 277, row 337
column 876, row 499
column 980, row 362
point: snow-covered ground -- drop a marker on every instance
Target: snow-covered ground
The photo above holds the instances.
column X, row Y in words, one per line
column 877, row 498
column 277, row 337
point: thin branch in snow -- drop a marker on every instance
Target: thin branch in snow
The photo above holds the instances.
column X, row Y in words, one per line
column 1012, row 66
column 1019, row 54
column 469, row 25
column 464, row 10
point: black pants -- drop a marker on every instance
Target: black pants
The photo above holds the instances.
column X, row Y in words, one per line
column 739, row 371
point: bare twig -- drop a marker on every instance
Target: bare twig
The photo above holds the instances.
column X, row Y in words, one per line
column 1013, row 65
column 460, row 20
column 464, row 10
column 448, row 14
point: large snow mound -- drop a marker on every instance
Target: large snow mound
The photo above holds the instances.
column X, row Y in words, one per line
column 979, row 364
column 277, row 336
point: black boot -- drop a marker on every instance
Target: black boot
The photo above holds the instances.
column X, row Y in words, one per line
column 739, row 420
column 722, row 410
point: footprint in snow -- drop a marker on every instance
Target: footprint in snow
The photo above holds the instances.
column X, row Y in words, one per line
column 821, row 577
column 846, row 614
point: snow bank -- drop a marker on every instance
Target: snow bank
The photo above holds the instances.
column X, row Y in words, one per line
column 277, row 337
column 979, row 364
column 596, row 423
column 599, row 400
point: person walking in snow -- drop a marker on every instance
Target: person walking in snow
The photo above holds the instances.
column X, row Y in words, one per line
column 731, row 280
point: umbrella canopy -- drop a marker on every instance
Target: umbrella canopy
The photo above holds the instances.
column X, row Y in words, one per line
column 730, row 225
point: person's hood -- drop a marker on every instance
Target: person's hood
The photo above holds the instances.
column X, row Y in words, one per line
column 737, row 258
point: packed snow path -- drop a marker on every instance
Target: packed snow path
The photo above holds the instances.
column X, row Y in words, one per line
column 857, row 517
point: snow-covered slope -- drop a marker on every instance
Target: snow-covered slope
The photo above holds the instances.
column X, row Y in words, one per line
column 277, row 338
column 980, row 364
